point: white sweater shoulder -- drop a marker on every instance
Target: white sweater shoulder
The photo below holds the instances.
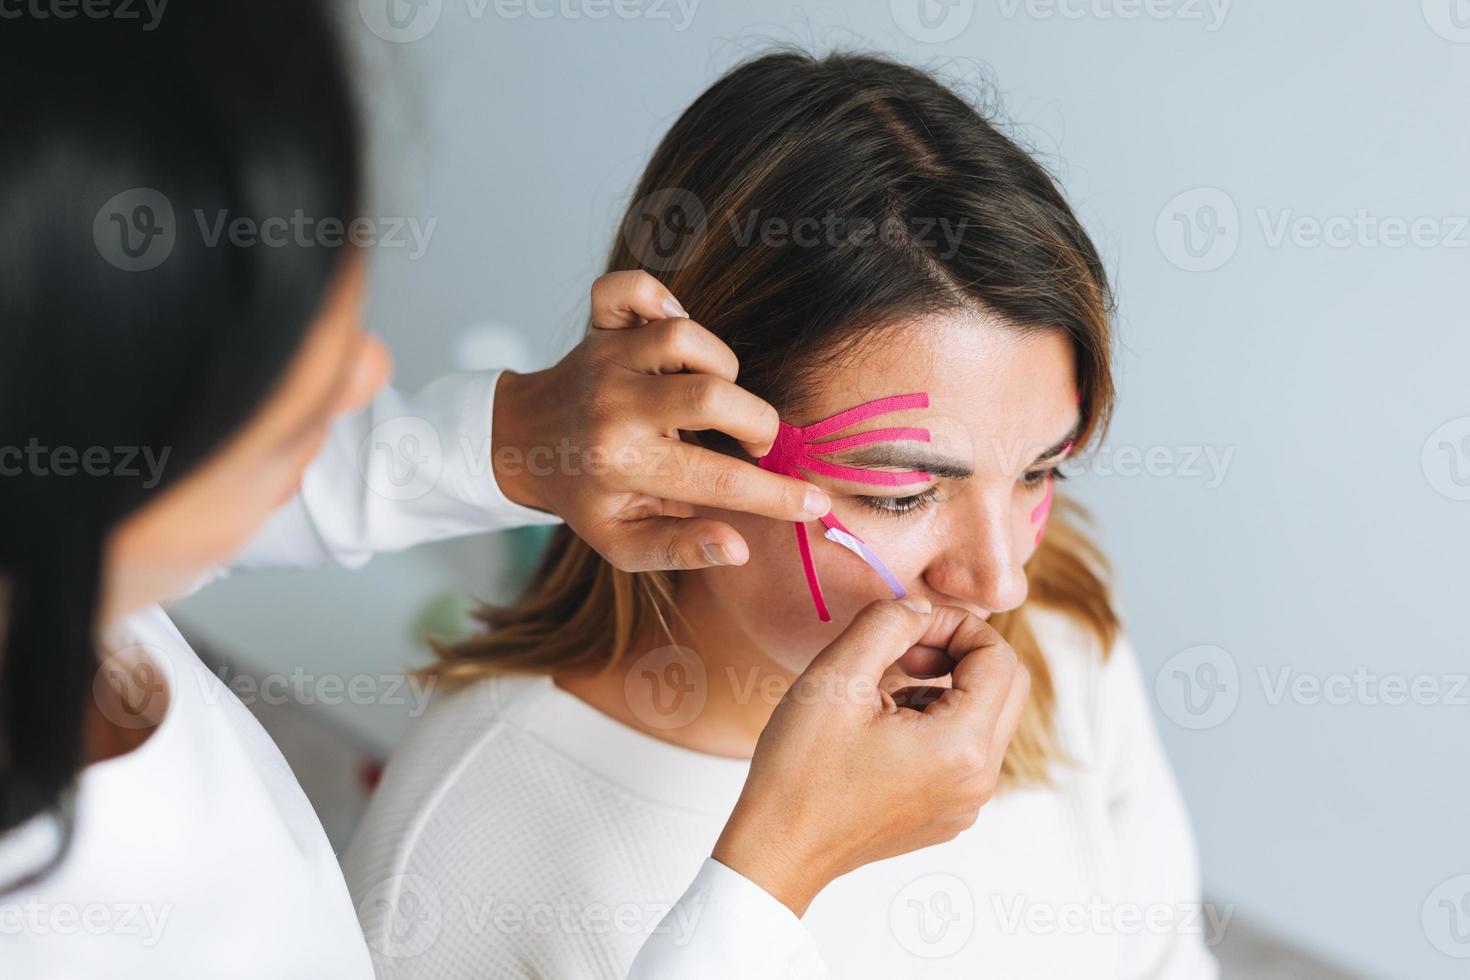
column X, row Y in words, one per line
column 506, row 839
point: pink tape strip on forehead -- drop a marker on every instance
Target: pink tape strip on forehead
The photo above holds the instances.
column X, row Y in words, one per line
column 795, row 454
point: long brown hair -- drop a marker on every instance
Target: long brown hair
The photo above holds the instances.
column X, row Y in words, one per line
column 884, row 154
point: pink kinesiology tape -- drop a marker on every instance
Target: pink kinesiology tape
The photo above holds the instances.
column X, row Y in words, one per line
column 796, row 453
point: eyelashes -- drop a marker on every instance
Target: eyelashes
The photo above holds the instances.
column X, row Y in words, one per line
column 1036, row 478
column 899, row 506
column 903, row 506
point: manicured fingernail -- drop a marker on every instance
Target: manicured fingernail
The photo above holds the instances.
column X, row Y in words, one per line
column 918, row 603
column 817, row 503
column 672, row 308
column 715, row 554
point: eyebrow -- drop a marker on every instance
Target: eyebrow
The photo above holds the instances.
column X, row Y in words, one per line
column 897, row 456
column 911, row 456
column 1061, row 445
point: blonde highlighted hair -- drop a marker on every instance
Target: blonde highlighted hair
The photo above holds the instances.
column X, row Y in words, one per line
column 860, row 143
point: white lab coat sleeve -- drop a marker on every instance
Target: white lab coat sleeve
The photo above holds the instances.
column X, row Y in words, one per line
column 726, row 927
column 403, row 471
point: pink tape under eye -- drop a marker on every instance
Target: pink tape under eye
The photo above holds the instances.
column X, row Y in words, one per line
column 1043, row 509
column 796, row 451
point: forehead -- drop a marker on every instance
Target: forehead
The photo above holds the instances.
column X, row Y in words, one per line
column 990, row 385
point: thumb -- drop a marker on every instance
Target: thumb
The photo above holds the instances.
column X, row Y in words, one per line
column 877, row 636
column 650, row 544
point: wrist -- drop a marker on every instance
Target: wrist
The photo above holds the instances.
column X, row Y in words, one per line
column 768, row 859
column 513, row 437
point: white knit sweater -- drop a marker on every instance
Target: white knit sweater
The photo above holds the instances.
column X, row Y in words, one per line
column 529, row 835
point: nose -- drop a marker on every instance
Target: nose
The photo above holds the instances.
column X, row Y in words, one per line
column 981, row 567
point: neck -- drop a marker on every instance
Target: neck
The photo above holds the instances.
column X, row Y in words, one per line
column 658, row 686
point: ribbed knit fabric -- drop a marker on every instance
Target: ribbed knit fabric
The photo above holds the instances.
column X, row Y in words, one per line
column 519, row 832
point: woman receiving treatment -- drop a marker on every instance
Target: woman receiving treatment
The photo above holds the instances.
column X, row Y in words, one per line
column 910, row 291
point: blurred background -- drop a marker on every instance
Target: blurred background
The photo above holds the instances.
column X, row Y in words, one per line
column 1279, row 193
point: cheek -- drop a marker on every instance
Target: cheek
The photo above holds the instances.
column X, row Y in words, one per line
column 1037, row 515
column 215, row 515
column 768, row 596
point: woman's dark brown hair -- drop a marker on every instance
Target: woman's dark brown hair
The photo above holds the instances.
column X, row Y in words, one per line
column 896, row 199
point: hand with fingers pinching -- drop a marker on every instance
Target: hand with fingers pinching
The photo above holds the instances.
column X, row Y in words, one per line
column 596, row 440
column 844, row 776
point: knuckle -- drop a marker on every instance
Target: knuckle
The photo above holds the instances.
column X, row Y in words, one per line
column 963, row 755
column 1005, row 654
column 646, row 289
column 703, row 396
column 678, row 337
column 725, row 482
column 987, row 633
column 794, row 496
column 884, row 616
column 671, row 555
column 972, row 758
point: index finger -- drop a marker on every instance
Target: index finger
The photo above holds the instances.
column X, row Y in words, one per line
column 706, row 478
column 627, row 299
column 985, row 672
column 877, row 636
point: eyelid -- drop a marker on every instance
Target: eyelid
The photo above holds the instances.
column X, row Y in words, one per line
column 900, row 505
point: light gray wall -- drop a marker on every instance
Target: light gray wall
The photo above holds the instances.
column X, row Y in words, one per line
column 1328, row 542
